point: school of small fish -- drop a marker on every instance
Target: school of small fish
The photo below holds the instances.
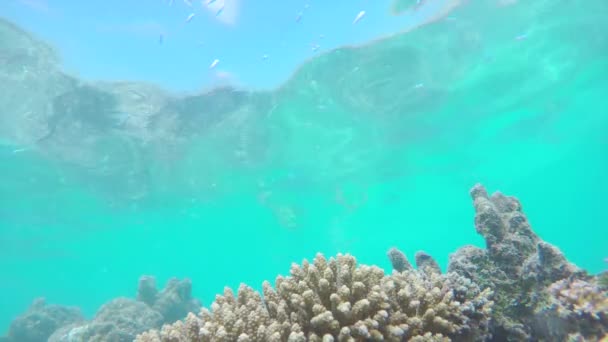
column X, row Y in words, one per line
column 298, row 18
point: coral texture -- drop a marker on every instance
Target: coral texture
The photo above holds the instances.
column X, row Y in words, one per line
column 336, row 299
column 573, row 305
column 119, row 320
column 398, row 260
column 524, row 272
column 41, row 320
column 173, row 302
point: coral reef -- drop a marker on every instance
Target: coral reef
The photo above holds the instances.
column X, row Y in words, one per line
column 531, row 293
column 119, row 320
column 173, row 302
column 337, row 299
column 573, row 305
column 519, row 288
column 39, row 322
column 525, row 274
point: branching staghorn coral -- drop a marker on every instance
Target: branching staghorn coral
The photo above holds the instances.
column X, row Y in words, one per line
column 338, row 300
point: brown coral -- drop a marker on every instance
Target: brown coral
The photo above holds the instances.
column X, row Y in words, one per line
column 574, row 305
column 580, row 298
column 539, row 295
column 337, row 299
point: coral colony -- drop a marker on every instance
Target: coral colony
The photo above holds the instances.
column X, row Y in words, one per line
column 519, row 288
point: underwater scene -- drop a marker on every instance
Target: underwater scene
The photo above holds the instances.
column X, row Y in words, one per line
column 439, row 172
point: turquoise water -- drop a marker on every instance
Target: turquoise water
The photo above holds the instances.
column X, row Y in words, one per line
column 362, row 149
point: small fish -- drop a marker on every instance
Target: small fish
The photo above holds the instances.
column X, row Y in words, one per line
column 299, row 17
column 19, row 150
column 265, row 57
column 214, row 64
column 359, row 17
column 522, row 36
column 190, row 17
column 188, row 3
column 209, row 2
column 419, row 85
column 161, row 39
column 219, row 11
